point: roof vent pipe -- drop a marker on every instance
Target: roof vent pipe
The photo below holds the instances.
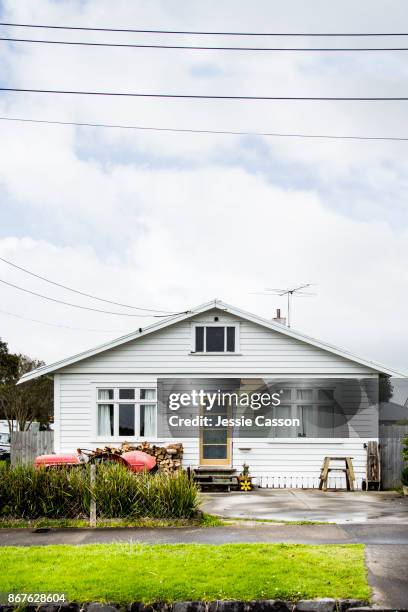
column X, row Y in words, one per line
column 278, row 318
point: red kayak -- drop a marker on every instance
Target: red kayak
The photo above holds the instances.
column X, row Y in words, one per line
column 136, row 461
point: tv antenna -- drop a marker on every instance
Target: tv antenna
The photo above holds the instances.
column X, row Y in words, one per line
column 290, row 292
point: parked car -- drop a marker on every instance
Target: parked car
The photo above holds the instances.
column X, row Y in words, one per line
column 136, row 461
column 4, row 446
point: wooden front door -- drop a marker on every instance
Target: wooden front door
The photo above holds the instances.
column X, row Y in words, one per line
column 215, row 441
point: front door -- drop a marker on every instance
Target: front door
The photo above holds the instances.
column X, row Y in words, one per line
column 215, row 441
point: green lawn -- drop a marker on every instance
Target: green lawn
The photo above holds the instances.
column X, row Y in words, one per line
column 138, row 572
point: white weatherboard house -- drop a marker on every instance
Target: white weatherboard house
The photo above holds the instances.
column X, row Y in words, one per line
column 119, row 392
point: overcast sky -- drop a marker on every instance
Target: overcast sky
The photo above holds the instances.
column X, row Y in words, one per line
column 170, row 221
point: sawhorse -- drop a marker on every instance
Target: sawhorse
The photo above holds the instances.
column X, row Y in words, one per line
column 348, row 472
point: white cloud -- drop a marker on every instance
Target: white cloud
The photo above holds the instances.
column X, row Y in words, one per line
column 224, row 233
column 173, row 220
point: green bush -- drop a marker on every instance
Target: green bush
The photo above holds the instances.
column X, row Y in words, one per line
column 404, row 449
column 404, row 476
column 26, row 492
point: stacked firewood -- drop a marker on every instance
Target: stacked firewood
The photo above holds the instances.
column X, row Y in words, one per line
column 168, row 458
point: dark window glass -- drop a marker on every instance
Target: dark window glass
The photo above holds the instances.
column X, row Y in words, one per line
column 326, row 421
column 231, row 339
column 214, row 452
column 215, row 436
column 126, row 394
column 326, row 394
column 127, row 420
column 215, row 339
column 199, row 339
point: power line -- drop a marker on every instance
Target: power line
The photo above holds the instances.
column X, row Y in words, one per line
column 82, row 329
column 197, row 47
column 46, row 297
column 198, row 32
column 209, row 96
column 47, row 280
column 198, row 131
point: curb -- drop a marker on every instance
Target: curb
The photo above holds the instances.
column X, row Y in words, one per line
column 266, row 605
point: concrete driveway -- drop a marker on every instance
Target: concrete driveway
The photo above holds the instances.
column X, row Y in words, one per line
column 310, row 505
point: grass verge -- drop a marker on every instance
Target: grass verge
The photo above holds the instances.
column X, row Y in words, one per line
column 138, row 572
column 206, row 520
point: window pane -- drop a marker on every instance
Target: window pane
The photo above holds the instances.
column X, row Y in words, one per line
column 305, row 395
column 199, row 339
column 148, row 394
column 148, row 420
column 285, row 395
column 214, row 452
column 215, row 339
column 105, row 420
column 309, row 424
column 283, row 431
column 326, row 395
column 231, row 339
column 105, row 394
column 127, row 394
column 326, row 421
column 126, row 419
column 215, row 436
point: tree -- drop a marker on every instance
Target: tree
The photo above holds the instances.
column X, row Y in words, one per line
column 8, row 365
column 385, row 389
column 22, row 404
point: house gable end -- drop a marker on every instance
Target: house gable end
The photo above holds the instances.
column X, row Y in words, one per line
column 170, row 351
column 163, row 330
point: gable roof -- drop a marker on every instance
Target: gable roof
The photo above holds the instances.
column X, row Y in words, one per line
column 177, row 318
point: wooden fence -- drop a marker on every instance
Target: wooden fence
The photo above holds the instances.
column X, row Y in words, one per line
column 391, row 460
column 26, row 445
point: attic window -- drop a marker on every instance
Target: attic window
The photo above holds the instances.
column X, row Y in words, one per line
column 215, row 339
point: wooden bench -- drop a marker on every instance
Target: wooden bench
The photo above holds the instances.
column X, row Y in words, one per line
column 348, row 472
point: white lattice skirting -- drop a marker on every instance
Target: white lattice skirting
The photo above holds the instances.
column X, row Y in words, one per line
column 291, row 481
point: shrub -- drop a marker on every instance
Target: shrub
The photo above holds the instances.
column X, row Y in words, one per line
column 120, row 493
column 404, row 449
column 404, row 476
column 26, row 492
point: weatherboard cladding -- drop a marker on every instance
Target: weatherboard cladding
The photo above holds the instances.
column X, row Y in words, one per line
column 277, row 463
column 262, row 351
column 167, row 352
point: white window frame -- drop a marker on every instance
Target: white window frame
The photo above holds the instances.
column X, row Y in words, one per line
column 116, row 403
column 224, row 324
column 296, row 404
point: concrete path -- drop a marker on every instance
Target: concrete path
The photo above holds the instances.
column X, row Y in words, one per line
column 386, row 550
column 310, row 505
column 238, row 533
